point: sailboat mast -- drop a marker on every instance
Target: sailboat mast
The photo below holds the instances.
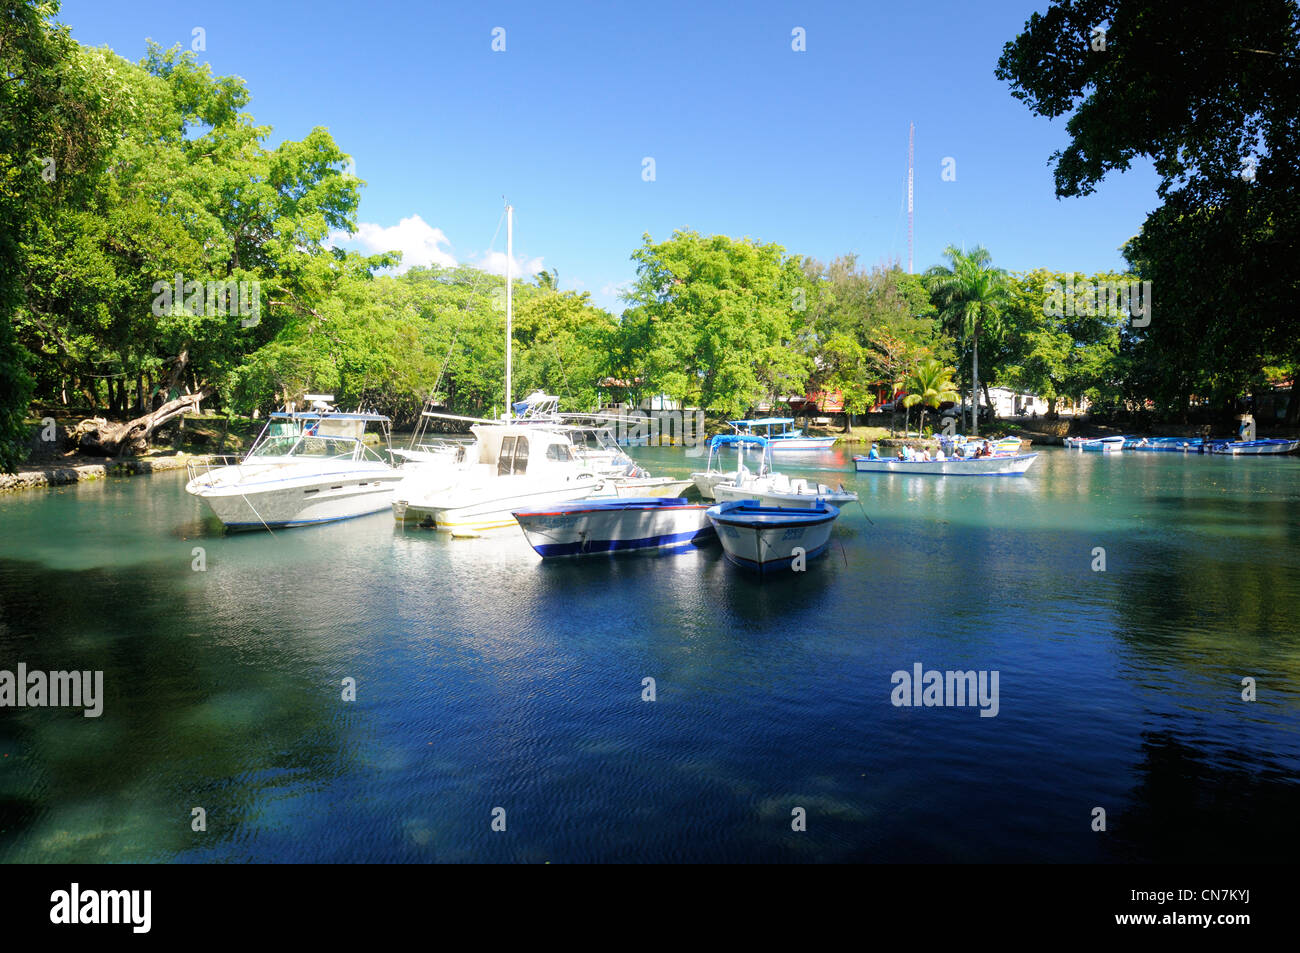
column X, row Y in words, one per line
column 510, row 255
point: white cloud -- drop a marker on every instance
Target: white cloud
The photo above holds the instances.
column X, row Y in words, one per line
column 418, row 241
column 495, row 263
column 615, row 289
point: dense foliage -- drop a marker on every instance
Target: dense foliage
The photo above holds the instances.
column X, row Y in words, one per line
column 155, row 246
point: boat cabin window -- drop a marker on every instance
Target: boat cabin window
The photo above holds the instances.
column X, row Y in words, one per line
column 521, row 455
column 559, row 452
column 506, row 455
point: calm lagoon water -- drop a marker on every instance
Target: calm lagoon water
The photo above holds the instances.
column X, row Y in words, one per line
column 487, row 679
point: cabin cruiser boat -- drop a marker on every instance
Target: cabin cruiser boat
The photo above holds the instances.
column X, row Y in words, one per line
column 597, row 448
column 305, row 467
column 510, row 466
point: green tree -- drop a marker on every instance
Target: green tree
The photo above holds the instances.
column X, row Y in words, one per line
column 718, row 321
column 1209, row 93
column 929, row 383
column 970, row 296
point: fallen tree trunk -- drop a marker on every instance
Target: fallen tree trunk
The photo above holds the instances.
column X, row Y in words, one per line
column 96, row 435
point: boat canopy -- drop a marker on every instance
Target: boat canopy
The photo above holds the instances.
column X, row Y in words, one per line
column 762, row 422
column 324, row 415
column 722, row 440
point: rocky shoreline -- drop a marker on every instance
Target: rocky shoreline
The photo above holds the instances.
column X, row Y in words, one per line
column 34, row 475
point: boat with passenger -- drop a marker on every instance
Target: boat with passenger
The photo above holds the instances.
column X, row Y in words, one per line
column 993, row 465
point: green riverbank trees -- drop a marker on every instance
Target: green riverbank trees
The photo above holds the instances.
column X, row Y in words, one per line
column 1210, row 94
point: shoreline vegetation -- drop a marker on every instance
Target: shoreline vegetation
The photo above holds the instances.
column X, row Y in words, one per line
column 145, row 280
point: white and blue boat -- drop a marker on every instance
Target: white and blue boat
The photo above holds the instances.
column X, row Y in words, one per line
column 590, row 527
column 1097, row 445
column 1164, row 444
column 1255, row 447
column 782, row 434
column 768, row 538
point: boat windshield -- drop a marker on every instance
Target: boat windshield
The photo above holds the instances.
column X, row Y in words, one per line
column 315, row 447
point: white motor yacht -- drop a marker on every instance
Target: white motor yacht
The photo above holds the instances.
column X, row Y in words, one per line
column 510, row 466
column 305, row 467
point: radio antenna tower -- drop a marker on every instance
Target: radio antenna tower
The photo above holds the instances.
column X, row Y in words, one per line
column 911, row 137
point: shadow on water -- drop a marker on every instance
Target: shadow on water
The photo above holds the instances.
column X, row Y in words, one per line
column 192, row 716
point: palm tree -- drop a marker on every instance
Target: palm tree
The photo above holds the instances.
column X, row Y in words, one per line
column 929, row 384
column 970, row 296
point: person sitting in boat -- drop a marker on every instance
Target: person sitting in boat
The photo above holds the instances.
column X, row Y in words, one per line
column 939, row 455
column 873, row 453
column 908, row 453
column 925, row 455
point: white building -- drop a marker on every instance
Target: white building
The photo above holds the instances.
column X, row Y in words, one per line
column 1008, row 403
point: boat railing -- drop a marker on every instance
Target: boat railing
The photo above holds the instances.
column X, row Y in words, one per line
column 201, row 468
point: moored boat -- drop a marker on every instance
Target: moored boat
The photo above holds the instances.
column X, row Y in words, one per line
column 747, row 446
column 782, row 434
column 1014, row 465
column 510, row 466
column 768, row 538
column 590, row 527
column 778, row 489
column 1255, row 447
column 1164, row 444
column 1097, row 444
column 305, row 467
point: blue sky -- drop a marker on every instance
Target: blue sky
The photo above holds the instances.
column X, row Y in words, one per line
column 749, row 137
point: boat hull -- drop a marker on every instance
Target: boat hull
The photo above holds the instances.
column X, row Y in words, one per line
column 490, row 507
column 1015, row 465
column 802, row 443
column 771, row 539
column 605, row 528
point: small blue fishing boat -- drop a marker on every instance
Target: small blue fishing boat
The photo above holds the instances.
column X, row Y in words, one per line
column 1164, row 444
column 768, row 538
column 587, row 527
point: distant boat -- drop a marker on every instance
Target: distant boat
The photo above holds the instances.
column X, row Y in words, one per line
column 1255, row 447
column 1097, row 445
column 1164, row 444
column 1014, row 465
column 768, row 538
column 786, row 435
column 592, row 527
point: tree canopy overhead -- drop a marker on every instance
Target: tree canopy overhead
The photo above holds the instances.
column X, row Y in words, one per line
column 1209, row 92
